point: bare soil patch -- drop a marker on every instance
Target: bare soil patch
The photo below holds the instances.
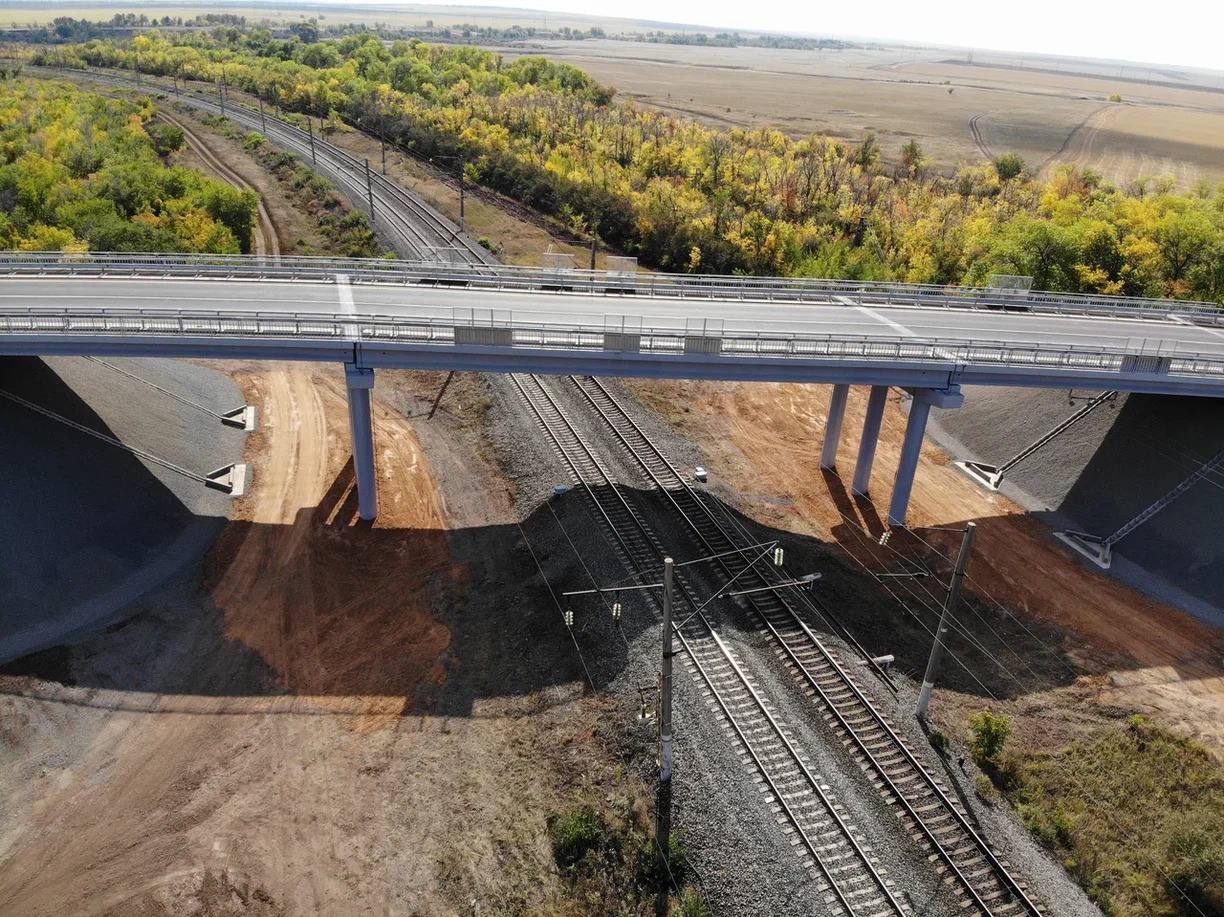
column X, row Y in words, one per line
column 330, row 719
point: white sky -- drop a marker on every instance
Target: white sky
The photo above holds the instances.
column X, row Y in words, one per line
column 1187, row 32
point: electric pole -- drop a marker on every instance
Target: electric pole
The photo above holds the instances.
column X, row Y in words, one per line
column 369, row 191
column 462, row 169
column 221, row 96
column 262, row 120
column 950, row 606
column 592, row 253
column 664, row 800
column 310, row 133
column 382, row 143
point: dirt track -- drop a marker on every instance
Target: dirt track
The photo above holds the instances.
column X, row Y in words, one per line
column 266, row 240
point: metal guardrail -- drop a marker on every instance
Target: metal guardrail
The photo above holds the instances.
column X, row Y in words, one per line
column 671, row 286
column 385, row 329
column 762, row 288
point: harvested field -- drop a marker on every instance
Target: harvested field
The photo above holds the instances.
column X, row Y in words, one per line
column 1043, row 114
column 1125, row 143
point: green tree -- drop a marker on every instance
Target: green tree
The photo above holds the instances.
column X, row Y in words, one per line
column 1008, row 166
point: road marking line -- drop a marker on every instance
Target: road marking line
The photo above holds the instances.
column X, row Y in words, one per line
column 347, row 306
column 904, row 332
column 1181, row 321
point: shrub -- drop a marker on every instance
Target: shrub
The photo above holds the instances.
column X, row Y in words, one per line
column 988, row 735
column 576, row 834
column 692, row 904
column 939, row 741
column 649, row 868
column 1008, row 166
column 1196, row 871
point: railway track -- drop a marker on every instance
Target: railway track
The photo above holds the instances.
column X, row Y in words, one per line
column 833, row 851
column 415, row 228
column 929, row 811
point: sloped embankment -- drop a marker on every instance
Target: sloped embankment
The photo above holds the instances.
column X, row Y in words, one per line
column 1105, row 470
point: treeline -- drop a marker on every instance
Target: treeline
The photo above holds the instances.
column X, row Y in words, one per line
column 686, row 197
column 67, row 29
column 738, row 40
column 80, row 172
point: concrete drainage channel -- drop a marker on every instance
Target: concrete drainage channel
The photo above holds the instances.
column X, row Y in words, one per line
column 111, row 489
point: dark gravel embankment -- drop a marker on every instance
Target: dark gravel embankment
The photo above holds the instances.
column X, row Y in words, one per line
column 1105, row 470
column 89, row 527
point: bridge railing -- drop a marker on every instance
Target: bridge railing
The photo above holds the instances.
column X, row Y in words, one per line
column 603, row 283
column 290, row 328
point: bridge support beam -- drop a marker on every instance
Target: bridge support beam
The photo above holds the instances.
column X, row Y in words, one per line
column 911, row 446
column 872, row 421
column 359, row 382
column 833, row 426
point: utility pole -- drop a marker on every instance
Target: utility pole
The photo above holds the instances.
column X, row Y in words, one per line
column 263, row 122
column 310, row 133
column 664, row 800
column 592, row 253
column 382, row 143
column 221, row 95
column 950, row 606
column 369, row 191
column 462, row 169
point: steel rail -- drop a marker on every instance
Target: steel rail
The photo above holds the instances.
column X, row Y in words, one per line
column 844, row 718
column 550, row 415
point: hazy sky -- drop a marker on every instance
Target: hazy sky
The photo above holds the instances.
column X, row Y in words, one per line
column 1189, row 32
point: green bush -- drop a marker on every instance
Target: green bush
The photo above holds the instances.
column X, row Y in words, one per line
column 988, row 735
column 575, row 835
column 939, row 741
column 1195, row 876
column 691, row 904
column 651, row 870
column 1008, row 166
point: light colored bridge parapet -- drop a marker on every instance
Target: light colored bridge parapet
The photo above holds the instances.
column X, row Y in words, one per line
column 484, row 335
column 620, row 340
column 702, row 343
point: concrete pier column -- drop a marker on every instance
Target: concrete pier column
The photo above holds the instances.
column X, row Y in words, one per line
column 872, row 421
column 833, row 426
column 911, row 446
column 360, row 381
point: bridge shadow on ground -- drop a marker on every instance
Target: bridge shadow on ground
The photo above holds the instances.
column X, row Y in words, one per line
column 469, row 622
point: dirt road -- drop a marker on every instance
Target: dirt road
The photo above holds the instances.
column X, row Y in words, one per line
column 266, row 240
column 240, row 747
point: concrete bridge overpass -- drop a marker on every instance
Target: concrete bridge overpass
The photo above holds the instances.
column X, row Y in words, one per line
column 371, row 314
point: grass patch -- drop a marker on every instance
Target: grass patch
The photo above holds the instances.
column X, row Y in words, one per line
column 616, row 867
column 1135, row 812
column 347, row 230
